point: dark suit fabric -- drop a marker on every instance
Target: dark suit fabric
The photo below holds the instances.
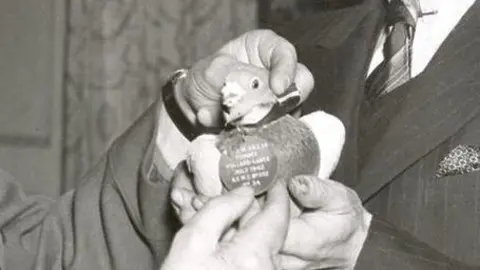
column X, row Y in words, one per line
column 119, row 218
column 422, row 122
column 395, row 143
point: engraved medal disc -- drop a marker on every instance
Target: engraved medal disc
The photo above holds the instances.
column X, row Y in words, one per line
column 252, row 162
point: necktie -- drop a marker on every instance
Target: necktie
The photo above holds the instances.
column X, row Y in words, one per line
column 395, row 69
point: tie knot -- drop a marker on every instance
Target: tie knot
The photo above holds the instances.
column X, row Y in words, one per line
column 403, row 11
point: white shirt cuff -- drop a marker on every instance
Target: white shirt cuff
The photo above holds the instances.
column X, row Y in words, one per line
column 170, row 141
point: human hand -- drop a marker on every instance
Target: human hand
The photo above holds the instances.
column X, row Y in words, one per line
column 201, row 97
column 199, row 244
column 331, row 230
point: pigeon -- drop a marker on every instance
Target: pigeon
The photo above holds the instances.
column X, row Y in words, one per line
column 260, row 142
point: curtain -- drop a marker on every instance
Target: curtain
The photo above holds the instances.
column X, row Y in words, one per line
column 119, row 53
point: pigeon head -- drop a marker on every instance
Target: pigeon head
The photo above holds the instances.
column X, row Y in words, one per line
column 246, row 95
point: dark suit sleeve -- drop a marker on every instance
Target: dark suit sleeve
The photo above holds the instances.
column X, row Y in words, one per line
column 389, row 248
column 20, row 215
column 115, row 219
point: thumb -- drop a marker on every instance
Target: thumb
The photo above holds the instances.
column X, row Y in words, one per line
column 210, row 222
column 327, row 195
column 210, row 116
column 269, row 227
column 279, row 56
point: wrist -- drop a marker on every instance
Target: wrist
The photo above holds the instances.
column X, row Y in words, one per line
column 173, row 94
column 179, row 110
column 180, row 96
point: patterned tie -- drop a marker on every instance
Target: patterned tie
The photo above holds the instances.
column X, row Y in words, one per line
column 395, row 69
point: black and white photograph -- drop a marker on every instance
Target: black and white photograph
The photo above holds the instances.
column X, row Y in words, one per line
column 240, row 134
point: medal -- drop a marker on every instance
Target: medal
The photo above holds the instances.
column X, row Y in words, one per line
column 249, row 162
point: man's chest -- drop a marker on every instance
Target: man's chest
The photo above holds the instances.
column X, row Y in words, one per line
column 442, row 211
column 431, row 31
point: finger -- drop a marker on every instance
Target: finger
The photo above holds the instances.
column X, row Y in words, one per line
column 216, row 72
column 269, row 227
column 203, row 158
column 229, row 234
column 279, row 56
column 199, row 201
column 182, row 193
column 208, row 225
column 208, row 85
column 181, row 200
column 251, row 212
column 205, row 80
column 266, row 48
column 182, row 178
column 336, row 219
column 289, row 262
column 303, row 238
column 324, row 239
column 326, row 195
column 304, row 81
column 176, row 200
column 210, row 116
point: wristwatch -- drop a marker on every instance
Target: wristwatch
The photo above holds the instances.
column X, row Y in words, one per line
column 185, row 126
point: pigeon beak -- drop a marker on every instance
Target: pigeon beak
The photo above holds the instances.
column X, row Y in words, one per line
column 232, row 93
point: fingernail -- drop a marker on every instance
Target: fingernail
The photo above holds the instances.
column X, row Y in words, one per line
column 209, row 116
column 286, row 82
column 177, row 197
column 300, row 185
column 176, row 208
column 280, row 84
column 197, row 203
column 243, row 191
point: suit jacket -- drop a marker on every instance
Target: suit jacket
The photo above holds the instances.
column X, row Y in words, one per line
column 119, row 217
column 395, row 143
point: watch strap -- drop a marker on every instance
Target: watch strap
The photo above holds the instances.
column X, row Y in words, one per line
column 183, row 124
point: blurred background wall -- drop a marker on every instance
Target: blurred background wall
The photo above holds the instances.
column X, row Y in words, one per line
column 75, row 73
column 119, row 54
column 32, row 38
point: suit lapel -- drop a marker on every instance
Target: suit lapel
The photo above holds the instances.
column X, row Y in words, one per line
column 407, row 124
column 336, row 45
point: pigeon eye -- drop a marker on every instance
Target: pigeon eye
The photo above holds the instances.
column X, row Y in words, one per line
column 255, row 84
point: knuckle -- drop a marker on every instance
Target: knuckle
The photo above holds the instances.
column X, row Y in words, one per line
column 192, row 236
column 211, row 204
column 185, row 216
column 188, row 232
column 305, row 76
column 266, row 33
column 285, row 45
column 246, row 257
column 363, row 219
column 179, row 172
column 219, row 205
column 219, row 60
column 357, row 222
column 352, row 198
